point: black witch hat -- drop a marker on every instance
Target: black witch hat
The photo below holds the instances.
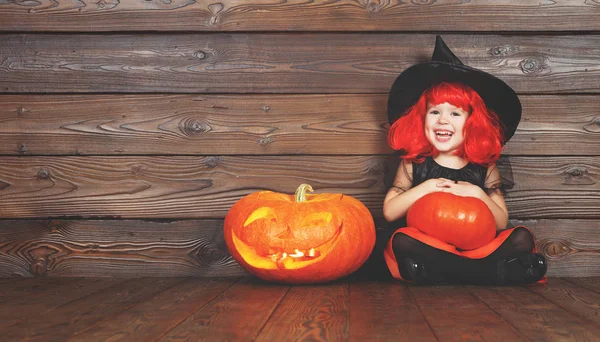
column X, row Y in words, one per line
column 446, row 67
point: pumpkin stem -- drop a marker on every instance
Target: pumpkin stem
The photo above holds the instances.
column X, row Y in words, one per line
column 301, row 192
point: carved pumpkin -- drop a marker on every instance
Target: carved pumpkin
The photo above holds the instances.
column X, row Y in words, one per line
column 299, row 238
column 465, row 222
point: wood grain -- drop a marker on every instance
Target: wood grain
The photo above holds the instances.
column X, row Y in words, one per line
column 257, row 125
column 238, row 314
column 582, row 302
column 283, row 63
column 590, row 282
column 572, row 247
column 155, row 317
column 119, row 248
column 454, row 314
column 36, row 304
column 206, row 187
column 310, row 313
column 296, row 15
column 68, row 320
column 17, row 287
column 128, row 248
column 536, row 317
column 385, row 311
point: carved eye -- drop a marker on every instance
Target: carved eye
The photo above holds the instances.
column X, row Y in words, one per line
column 261, row 213
column 316, row 220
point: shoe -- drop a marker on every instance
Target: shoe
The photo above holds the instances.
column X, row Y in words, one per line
column 525, row 269
column 419, row 274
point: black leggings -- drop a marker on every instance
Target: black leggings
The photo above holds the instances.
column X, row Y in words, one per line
column 453, row 268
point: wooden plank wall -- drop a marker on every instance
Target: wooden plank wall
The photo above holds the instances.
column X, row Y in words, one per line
column 129, row 128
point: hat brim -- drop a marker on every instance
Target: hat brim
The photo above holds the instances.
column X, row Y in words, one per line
column 497, row 95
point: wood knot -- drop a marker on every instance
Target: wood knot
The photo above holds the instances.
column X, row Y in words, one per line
column 39, row 267
column 533, row 65
column 505, row 50
column 39, row 259
column 43, row 174
column 107, row 4
column 266, row 108
column 212, row 162
column 594, row 126
column 554, row 249
column 375, row 6
column 577, row 171
column 423, row 2
column 21, row 111
column 266, row 141
column 136, row 169
column 578, row 175
column 55, row 226
column 215, row 9
column 194, row 127
column 22, row 149
column 200, row 54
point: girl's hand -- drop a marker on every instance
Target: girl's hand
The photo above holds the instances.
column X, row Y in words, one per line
column 461, row 188
column 435, row 185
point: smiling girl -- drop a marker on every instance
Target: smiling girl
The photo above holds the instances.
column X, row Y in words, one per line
column 449, row 123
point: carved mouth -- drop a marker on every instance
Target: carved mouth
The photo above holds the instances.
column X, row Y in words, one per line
column 296, row 259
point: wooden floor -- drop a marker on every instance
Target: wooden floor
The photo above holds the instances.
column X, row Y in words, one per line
column 246, row 309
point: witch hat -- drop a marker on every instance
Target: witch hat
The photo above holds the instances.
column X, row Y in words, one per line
column 446, row 67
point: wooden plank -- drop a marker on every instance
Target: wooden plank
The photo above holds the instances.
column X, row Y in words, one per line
column 454, row 314
column 136, row 248
column 257, row 124
column 310, row 313
column 16, row 287
column 579, row 301
column 35, row 305
column 206, row 187
column 344, row 15
column 571, row 246
column 119, row 248
column 283, row 63
column 236, row 315
column 78, row 315
column 590, row 282
column 151, row 319
column 534, row 316
column 385, row 311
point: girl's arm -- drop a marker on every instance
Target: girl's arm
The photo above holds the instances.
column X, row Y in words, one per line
column 401, row 196
column 495, row 200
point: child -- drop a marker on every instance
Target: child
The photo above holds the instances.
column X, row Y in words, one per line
column 449, row 122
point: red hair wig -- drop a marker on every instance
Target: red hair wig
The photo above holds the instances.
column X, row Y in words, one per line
column 482, row 131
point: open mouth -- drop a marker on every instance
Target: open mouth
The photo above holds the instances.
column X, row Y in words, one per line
column 285, row 260
column 443, row 135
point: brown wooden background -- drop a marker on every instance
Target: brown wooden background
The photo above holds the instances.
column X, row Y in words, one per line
column 129, row 128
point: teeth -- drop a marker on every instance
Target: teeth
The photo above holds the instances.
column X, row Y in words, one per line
column 297, row 254
column 444, row 133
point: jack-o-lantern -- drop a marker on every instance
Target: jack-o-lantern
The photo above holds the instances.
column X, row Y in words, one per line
column 299, row 238
column 465, row 222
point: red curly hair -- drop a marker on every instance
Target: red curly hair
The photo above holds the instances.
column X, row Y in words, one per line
column 482, row 131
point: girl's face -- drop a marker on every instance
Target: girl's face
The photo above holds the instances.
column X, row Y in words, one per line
column 444, row 125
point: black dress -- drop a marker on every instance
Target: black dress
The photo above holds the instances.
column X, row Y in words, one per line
column 429, row 168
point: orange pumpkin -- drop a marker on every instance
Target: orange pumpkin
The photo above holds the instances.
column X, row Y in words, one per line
column 465, row 222
column 299, row 238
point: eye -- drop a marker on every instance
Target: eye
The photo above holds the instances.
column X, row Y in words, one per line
column 455, row 114
column 319, row 219
column 261, row 213
column 434, row 112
